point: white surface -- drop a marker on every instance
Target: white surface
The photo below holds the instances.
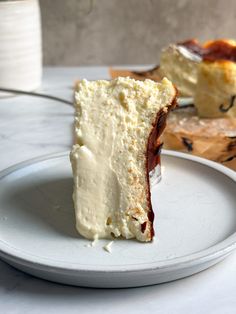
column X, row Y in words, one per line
column 28, row 126
column 20, row 48
column 194, row 230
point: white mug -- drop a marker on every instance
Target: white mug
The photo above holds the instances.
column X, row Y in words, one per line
column 20, row 45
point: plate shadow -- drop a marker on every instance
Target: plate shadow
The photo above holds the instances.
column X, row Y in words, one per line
column 46, row 204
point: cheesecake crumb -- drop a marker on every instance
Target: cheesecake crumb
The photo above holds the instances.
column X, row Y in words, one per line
column 93, row 243
column 107, row 247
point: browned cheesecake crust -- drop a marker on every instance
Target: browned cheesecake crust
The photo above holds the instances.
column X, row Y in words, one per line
column 211, row 51
column 153, row 154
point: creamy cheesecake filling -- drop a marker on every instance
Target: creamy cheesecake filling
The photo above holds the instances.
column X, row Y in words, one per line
column 179, row 64
column 109, row 159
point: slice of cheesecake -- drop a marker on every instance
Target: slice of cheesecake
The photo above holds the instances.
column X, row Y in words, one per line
column 117, row 126
column 179, row 63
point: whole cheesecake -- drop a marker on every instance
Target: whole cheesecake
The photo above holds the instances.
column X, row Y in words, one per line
column 117, row 128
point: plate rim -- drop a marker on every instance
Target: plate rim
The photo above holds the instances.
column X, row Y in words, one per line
column 216, row 251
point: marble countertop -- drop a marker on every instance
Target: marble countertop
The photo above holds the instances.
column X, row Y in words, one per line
column 31, row 127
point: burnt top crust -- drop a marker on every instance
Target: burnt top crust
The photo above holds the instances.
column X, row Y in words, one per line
column 215, row 50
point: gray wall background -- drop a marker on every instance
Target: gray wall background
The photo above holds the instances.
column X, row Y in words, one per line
column 106, row 32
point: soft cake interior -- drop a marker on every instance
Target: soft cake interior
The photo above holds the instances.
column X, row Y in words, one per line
column 180, row 66
column 113, row 124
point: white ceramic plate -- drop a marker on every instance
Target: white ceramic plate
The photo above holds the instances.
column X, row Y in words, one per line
column 195, row 225
column 185, row 101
